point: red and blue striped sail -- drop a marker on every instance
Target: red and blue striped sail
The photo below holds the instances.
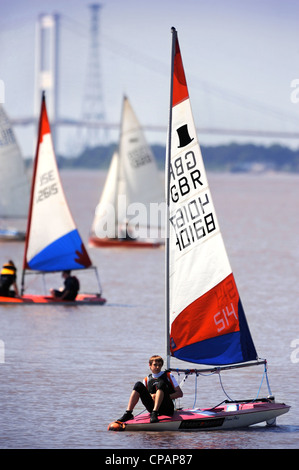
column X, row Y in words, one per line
column 53, row 242
column 207, row 323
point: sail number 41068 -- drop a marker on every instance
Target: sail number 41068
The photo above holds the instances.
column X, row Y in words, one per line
column 222, row 318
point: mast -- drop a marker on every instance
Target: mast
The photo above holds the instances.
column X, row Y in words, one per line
column 119, row 170
column 31, row 193
column 167, row 173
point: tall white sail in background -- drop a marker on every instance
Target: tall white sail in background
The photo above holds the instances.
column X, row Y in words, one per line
column 14, row 185
column 133, row 184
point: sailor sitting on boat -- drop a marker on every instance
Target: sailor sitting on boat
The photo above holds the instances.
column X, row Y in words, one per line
column 71, row 287
column 156, row 392
column 8, row 278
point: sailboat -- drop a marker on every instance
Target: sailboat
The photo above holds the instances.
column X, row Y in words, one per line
column 206, row 327
column 14, row 185
column 53, row 242
column 132, row 186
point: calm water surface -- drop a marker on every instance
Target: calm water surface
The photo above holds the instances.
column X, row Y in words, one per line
column 68, row 371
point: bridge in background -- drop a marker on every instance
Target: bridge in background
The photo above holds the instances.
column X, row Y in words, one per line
column 47, row 48
column 28, row 121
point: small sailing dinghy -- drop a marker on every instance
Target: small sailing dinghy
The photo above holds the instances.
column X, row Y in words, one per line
column 205, row 320
column 132, row 185
column 14, row 184
column 53, row 242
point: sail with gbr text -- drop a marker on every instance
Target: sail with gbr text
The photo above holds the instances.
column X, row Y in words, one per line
column 207, row 324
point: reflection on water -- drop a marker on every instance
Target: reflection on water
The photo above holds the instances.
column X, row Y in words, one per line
column 69, row 371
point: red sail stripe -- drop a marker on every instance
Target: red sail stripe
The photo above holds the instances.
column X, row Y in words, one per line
column 193, row 324
column 180, row 90
column 45, row 126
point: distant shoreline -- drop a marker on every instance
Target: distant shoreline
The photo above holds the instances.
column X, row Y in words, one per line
column 232, row 158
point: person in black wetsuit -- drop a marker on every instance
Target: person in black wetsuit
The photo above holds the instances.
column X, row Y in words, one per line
column 71, row 287
column 156, row 392
column 8, row 279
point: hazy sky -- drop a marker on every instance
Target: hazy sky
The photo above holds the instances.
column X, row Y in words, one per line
column 240, row 57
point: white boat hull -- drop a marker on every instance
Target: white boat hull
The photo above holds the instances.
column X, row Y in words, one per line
column 232, row 416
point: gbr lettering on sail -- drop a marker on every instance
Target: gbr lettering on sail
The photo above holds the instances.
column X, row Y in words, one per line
column 192, row 215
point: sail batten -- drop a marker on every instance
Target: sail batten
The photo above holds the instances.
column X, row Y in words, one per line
column 206, row 323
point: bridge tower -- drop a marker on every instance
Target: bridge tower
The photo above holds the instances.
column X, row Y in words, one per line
column 47, row 67
column 93, row 104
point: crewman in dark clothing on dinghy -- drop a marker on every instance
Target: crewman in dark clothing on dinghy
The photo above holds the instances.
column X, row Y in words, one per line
column 71, row 287
column 157, row 392
column 8, row 279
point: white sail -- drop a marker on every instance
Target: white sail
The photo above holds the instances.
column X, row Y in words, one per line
column 207, row 323
column 133, row 193
column 53, row 242
column 105, row 210
column 14, row 185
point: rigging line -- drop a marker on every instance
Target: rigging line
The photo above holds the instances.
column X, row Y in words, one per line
column 177, row 401
column 98, row 279
column 268, row 384
column 261, row 384
column 79, row 29
column 206, row 87
column 216, row 406
column 239, row 99
column 132, row 54
column 219, row 374
column 207, row 375
column 44, row 284
column 6, row 26
column 140, row 412
column 195, row 392
column 182, row 383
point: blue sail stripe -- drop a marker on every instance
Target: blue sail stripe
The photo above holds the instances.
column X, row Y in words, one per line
column 220, row 350
column 59, row 255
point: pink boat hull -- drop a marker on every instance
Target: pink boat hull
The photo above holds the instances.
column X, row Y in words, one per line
column 230, row 416
column 81, row 299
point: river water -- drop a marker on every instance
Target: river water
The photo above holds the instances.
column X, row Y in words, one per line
column 67, row 372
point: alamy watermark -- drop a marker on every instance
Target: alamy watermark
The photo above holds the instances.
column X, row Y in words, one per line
column 135, row 220
column 2, row 91
column 295, row 354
